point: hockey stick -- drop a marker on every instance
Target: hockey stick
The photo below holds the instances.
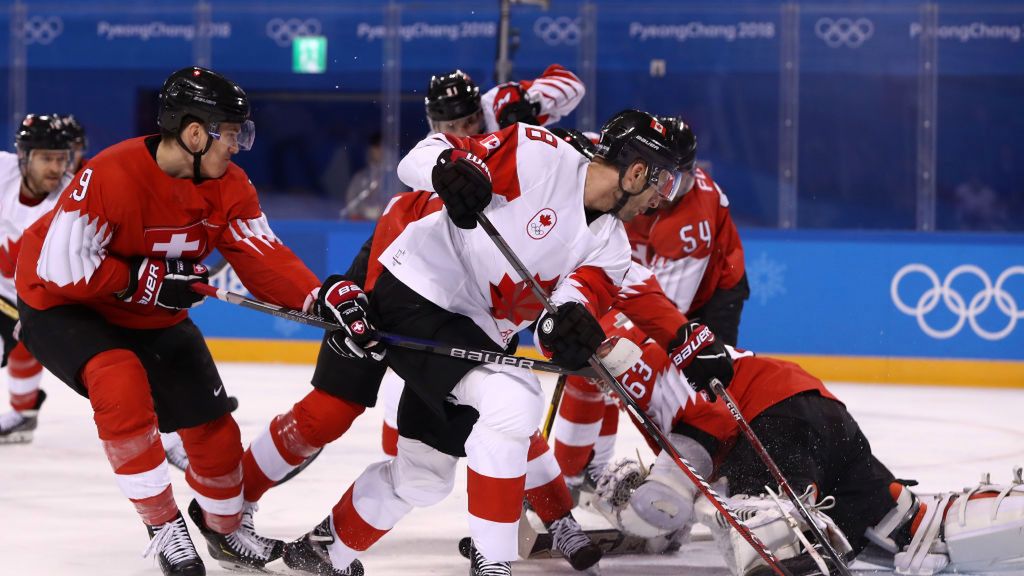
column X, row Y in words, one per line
column 8, row 309
column 649, row 427
column 470, row 354
column 556, row 400
column 773, row 468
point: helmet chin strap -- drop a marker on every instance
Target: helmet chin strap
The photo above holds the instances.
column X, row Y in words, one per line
column 626, row 195
column 197, row 157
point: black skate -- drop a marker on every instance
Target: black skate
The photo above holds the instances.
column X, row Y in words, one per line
column 243, row 549
column 573, row 543
column 801, row 565
column 309, row 553
column 480, row 566
column 173, row 547
column 17, row 427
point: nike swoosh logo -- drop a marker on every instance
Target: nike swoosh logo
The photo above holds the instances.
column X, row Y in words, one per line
column 218, row 390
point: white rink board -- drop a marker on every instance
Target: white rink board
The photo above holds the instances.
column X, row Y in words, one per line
column 61, row 512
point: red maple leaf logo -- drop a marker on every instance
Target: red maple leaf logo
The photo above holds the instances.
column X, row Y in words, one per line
column 545, row 220
column 515, row 302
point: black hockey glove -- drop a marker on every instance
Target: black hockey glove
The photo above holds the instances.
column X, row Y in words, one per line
column 343, row 301
column 463, row 182
column 701, row 357
column 571, row 335
column 164, row 283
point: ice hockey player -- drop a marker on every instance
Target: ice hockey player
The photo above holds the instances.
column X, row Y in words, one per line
column 30, row 182
column 822, row 452
column 104, row 292
column 75, row 133
column 568, row 240
column 455, row 106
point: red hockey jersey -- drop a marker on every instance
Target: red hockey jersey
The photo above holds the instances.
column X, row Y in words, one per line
column 122, row 206
column 693, row 247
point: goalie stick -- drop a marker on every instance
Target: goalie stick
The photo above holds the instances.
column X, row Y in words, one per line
column 470, row 354
column 776, row 473
column 652, row 431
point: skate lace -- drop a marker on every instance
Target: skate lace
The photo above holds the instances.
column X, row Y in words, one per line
column 568, row 537
column 172, row 540
column 246, row 541
column 10, row 420
column 483, row 567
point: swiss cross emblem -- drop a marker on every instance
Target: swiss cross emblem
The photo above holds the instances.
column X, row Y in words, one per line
column 658, row 126
column 541, row 223
column 184, row 243
column 357, row 327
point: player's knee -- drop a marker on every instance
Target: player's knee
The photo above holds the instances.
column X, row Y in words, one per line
column 119, row 393
column 322, row 418
column 422, row 476
column 213, row 448
column 515, row 405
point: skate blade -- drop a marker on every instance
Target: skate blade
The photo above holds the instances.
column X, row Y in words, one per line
column 17, row 438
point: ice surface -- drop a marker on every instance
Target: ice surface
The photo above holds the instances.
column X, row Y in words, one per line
column 61, row 512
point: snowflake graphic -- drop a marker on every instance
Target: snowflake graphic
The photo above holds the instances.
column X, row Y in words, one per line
column 767, row 278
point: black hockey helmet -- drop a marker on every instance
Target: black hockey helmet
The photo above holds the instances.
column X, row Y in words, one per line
column 452, row 96
column 45, row 132
column 73, row 130
column 632, row 135
column 577, row 140
column 207, row 96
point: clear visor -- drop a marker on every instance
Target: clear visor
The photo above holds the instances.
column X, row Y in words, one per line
column 234, row 135
column 60, row 160
column 672, row 184
column 466, row 126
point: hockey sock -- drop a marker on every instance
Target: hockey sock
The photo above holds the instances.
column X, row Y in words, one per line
column 496, row 482
column 545, row 487
column 389, row 439
column 215, row 471
column 24, row 374
column 577, row 425
column 312, row 423
column 126, row 423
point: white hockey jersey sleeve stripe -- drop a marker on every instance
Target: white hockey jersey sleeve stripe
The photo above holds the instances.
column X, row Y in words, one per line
column 74, row 248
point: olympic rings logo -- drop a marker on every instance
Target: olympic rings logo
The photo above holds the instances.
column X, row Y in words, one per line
column 844, row 31
column 559, row 30
column 966, row 312
column 42, row 29
column 282, row 31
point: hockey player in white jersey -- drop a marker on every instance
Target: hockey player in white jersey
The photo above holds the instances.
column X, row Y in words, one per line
column 455, row 106
column 445, row 280
column 30, row 182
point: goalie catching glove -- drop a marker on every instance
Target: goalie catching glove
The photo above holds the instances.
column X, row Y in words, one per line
column 164, row 283
column 701, row 357
column 570, row 336
column 463, row 182
column 344, row 302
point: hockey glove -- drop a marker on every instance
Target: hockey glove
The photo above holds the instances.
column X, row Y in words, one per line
column 164, row 283
column 344, row 302
column 571, row 335
column 463, row 182
column 512, row 104
column 701, row 357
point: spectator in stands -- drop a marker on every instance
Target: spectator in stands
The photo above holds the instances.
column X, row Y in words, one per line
column 364, row 199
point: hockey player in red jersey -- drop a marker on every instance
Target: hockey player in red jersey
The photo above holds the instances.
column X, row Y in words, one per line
column 30, row 182
column 445, row 280
column 103, row 286
column 691, row 245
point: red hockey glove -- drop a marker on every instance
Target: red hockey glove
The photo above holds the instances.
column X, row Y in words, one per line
column 571, row 335
column 512, row 104
column 701, row 357
column 344, row 302
column 164, row 283
column 463, row 182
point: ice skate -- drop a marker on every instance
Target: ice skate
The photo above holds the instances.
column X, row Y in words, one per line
column 18, row 426
column 174, row 550
column 309, row 553
column 242, row 549
column 570, row 540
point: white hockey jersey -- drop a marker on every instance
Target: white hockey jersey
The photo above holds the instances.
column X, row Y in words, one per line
column 537, row 206
column 557, row 90
column 15, row 217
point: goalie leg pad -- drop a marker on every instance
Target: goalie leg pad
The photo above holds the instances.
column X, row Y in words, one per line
column 984, row 528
